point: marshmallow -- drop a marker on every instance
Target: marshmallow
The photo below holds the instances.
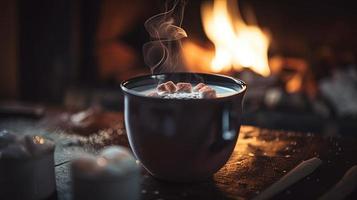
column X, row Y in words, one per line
column 170, row 86
column 153, row 94
column 183, row 90
column 161, row 88
column 207, row 92
column 198, row 87
column 167, row 87
column 184, row 87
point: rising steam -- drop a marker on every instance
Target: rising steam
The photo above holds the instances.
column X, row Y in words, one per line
column 163, row 52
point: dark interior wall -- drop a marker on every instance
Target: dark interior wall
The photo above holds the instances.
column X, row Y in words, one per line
column 8, row 49
column 88, row 13
column 56, row 47
column 313, row 23
column 45, row 49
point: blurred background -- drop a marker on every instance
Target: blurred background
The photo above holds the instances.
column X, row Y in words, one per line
column 298, row 57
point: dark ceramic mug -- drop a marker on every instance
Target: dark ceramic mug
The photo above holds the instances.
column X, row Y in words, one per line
column 182, row 139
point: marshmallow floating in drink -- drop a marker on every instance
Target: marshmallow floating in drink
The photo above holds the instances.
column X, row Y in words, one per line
column 198, row 87
column 26, row 167
column 113, row 175
column 184, row 87
column 168, row 87
column 207, row 92
column 184, row 90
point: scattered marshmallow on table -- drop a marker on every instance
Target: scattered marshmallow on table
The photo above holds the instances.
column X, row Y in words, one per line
column 112, row 175
column 26, row 167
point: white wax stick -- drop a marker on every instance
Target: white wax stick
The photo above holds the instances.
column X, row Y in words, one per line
column 344, row 187
column 303, row 169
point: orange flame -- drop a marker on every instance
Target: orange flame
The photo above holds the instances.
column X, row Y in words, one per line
column 237, row 45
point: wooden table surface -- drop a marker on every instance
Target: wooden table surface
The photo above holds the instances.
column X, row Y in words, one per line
column 259, row 159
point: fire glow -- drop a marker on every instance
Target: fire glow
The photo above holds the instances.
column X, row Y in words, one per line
column 237, row 45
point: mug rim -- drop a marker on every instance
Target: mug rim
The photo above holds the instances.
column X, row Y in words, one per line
column 123, row 86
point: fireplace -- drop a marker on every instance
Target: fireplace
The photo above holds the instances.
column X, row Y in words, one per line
column 298, row 58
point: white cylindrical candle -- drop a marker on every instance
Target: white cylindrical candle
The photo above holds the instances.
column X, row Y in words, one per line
column 112, row 175
column 26, row 167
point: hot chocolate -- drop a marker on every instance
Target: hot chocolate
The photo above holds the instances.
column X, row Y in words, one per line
column 184, row 90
